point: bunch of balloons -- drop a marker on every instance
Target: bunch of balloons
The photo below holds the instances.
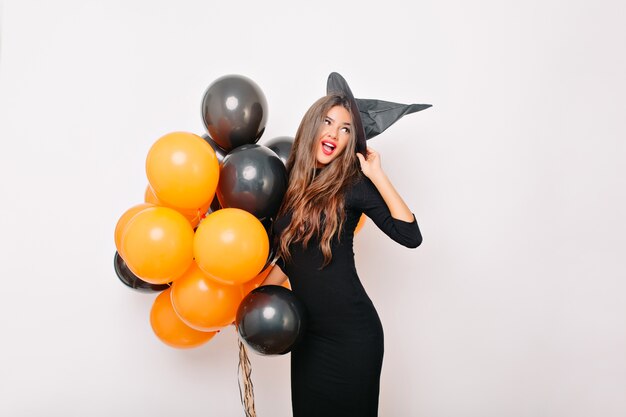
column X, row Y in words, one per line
column 202, row 235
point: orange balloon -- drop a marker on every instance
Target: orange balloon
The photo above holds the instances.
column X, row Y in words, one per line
column 231, row 246
column 123, row 221
column 360, row 224
column 193, row 215
column 150, row 197
column 256, row 282
column 170, row 328
column 203, row 303
column 183, row 170
column 158, row 245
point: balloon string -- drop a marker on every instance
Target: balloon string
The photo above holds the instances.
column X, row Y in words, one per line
column 201, row 215
column 244, row 372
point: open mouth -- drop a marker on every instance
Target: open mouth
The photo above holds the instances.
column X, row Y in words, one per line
column 328, row 147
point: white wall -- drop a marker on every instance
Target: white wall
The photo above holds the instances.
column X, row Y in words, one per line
column 515, row 304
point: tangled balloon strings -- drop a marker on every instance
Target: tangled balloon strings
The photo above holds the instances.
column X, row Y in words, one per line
column 244, row 376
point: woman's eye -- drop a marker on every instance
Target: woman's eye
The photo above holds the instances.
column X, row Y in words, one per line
column 347, row 130
column 327, row 121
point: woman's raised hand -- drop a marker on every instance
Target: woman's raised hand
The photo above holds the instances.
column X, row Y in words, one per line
column 370, row 166
column 371, row 169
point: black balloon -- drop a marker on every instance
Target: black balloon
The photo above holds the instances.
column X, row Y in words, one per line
column 273, row 240
column 267, row 225
column 234, row 111
column 219, row 152
column 131, row 280
column 271, row 320
column 252, row 178
column 282, row 146
column 215, row 205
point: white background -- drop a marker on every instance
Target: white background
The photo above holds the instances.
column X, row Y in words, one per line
column 515, row 304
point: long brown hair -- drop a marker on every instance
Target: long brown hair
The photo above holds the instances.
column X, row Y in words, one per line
column 316, row 200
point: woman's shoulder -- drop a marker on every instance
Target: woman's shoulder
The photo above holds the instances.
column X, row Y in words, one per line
column 359, row 187
column 358, row 180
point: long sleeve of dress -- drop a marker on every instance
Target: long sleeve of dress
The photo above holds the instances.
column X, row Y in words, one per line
column 364, row 196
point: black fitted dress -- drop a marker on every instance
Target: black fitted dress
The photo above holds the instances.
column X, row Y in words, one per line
column 335, row 368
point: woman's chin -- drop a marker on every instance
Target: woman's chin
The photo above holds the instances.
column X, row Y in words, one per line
column 323, row 159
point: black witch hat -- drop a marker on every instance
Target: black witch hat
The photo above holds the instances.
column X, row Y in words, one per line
column 373, row 116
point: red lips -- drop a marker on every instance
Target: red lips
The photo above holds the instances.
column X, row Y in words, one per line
column 328, row 147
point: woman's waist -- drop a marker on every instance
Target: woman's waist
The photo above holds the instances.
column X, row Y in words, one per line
column 336, row 309
column 355, row 320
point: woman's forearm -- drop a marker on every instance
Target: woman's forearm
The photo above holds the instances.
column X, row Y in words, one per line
column 372, row 169
column 397, row 207
column 275, row 277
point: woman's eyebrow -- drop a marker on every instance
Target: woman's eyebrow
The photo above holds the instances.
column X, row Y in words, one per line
column 332, row 120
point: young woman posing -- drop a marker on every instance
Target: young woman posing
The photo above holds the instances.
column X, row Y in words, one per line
column 335, row 368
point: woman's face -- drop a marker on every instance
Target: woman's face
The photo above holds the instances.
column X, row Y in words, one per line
column 333, row 136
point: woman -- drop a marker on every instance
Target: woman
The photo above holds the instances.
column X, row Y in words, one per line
column 335, row 369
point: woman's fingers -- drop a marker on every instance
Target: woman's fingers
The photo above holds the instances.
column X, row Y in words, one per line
column 361, row 159
column 371, row 153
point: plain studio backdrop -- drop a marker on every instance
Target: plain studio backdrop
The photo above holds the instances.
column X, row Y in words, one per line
column 514, row 305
